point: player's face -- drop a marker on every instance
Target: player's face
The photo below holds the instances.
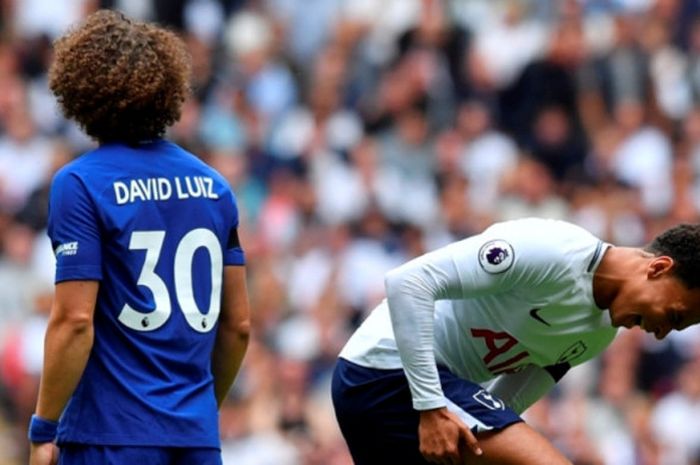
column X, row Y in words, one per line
column 663, row 303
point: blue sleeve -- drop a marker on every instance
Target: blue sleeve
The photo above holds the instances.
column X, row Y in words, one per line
column 73, row 228
column 233, row 252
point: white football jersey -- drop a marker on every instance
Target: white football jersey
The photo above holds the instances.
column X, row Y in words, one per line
column 517, row 298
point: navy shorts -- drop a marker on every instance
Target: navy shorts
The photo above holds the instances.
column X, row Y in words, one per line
column 376, row 416
column 88, row 454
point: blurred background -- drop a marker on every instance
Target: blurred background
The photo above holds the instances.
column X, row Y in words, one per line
column 360, row 133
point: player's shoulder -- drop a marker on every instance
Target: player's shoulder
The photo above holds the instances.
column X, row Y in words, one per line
column 534, row 241
column 195, row 162
column 540, row 231
column 77, row 168
column 91, row 162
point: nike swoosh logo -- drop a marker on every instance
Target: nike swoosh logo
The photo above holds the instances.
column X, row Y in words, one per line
column 533, row 314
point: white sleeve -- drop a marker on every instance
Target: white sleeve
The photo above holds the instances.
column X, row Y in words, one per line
column 522, row 389
column 412, row 290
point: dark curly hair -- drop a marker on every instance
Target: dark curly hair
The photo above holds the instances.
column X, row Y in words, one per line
column 682, row 244
column 119, row 79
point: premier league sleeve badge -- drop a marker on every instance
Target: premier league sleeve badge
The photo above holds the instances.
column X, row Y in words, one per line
column 496, row 256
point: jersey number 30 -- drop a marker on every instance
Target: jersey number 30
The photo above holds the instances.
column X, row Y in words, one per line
column 152, row 242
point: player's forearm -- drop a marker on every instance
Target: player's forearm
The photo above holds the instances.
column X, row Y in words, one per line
column 230, row 348
column 68, row 343
column 412, row 290
column 233, row 331
column 66, row 352
column 411, row 305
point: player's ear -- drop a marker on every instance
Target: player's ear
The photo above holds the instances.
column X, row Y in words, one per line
column 658, row 266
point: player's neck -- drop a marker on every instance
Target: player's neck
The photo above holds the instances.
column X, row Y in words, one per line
column 618, row 266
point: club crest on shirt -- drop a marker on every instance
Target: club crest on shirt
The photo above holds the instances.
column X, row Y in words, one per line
column 496, row 256
column 573, row 352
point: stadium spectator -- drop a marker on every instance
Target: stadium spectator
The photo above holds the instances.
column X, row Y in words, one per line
column 676, row 412
column 25, row 159
column 643, row 157
column 488, row 156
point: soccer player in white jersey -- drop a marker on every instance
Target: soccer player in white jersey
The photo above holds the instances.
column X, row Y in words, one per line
column 512, row 308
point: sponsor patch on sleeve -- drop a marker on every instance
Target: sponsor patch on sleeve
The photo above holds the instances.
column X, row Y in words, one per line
column 68, row 248
column 496, row 256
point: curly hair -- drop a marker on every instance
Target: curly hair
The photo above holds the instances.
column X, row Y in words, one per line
column 120, row 80
column 682, row 244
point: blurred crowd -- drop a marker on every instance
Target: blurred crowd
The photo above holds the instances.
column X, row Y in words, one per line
column 360, row 133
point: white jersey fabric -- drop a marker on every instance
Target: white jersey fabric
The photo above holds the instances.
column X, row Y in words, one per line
column 513, row 304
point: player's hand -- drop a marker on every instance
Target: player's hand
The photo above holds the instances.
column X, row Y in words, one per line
column 442, row 435
column 45, row 453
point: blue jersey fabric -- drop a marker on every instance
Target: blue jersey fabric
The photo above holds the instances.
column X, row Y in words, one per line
column 82, row 454
column 155, row 225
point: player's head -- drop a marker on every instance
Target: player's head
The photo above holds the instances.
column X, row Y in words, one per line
column 682, row 244
column 668, row 296
column 120, row 80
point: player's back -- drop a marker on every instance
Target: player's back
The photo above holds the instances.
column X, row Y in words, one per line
column 501, row 275
column 155, row 226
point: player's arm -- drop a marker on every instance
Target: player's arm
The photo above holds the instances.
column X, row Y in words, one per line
column 452, row 272
column 412, row 290
column 233, row 331
column 68, row 343
column 456, row 271
column 73, row 219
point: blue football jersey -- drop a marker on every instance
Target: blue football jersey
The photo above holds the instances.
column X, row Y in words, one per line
column 155, row 225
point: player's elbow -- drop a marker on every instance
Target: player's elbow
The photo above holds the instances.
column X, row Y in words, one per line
column 396, row 280
column 390, row 279
column 409, row 279
column 73, row 307
column 75, row 324
column 242, row 330
column 238, row 329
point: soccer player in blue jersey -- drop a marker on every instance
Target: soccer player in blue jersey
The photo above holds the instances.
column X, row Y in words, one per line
column 150, row 320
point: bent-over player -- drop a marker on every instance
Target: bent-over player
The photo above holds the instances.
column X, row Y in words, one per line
column 515, row 307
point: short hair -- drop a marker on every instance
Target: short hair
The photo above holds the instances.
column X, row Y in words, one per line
column 682, row 244
column 119, row 79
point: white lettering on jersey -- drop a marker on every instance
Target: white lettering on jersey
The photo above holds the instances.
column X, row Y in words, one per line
column 162, row 189
column 69, row 248
column 496, row 256
column 194, row 187
column 152, row 243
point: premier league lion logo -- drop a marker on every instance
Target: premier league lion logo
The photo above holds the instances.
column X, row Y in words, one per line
column 496, row 256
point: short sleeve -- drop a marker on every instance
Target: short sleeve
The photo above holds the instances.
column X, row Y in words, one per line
column 74, row 229
column 233, row 252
